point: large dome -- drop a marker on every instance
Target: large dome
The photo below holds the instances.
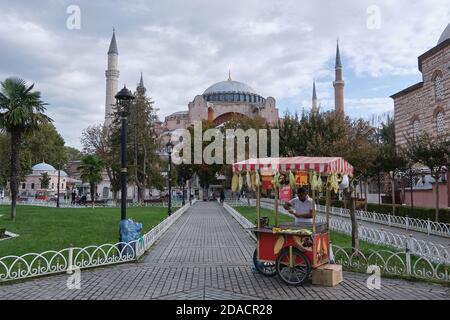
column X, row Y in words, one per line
column 232, row 92
column 230, row 86
column 43, row 167
column 445, row 35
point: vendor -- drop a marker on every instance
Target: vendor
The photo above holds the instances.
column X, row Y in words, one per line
column 301, row 207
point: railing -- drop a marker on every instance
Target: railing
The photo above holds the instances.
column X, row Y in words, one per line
column 66, row 260
column 391, row 263
column 109, row 204
column 426, row 226
column 401, row 263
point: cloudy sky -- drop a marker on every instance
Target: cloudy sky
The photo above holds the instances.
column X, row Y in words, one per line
column 182, row 47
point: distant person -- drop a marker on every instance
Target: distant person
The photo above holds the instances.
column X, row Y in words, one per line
column 74, row 197
column 222, row 197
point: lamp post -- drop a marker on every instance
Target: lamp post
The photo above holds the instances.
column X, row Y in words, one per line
column 169, row 147
column 123, row 98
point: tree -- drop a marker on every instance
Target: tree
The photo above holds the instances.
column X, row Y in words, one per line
column 21, row 112
column 91, row 172
column 99, row 140
column 73, row 154
column 206, row 173
column 45, row 181
column 183, row 174
column 389, row 160
column 145, row 166
column 432, row 152
column 45, row 144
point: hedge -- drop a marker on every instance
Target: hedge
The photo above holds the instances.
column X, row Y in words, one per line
column 417, row 212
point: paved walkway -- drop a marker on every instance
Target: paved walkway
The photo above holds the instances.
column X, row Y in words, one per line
column 206, row 255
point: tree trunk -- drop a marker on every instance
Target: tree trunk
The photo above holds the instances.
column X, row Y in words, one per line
column 141, row 194
column 392, row 176
column 355, row 235
column 15, row 168
column 365, row 195
column 92, row 187
column 436, row 178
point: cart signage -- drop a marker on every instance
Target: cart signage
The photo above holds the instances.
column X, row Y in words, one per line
column 285, row 193
column 301, row 178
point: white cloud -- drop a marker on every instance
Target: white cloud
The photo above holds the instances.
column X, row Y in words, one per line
column 182, row 47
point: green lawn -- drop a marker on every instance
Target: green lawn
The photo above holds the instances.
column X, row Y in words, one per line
column 338, row 239
column 43, row 229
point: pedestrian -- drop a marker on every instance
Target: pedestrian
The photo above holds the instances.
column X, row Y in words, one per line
column 74, row 195
column 222, row 197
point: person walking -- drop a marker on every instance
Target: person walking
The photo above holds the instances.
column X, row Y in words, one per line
column 74, row 195
column 222, row 197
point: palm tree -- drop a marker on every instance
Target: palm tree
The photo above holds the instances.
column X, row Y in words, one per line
column 91, row 171
column 21, row 111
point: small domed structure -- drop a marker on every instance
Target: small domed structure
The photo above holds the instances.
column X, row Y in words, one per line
column 43, row 167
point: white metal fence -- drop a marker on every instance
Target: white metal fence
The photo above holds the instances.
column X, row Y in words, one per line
column 420, row 225
column 397, row 263
column 109, row 204
column 66, row 260
column 426, row 226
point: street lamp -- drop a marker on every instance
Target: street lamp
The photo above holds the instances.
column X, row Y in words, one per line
column 123, row 98
column 169, row 147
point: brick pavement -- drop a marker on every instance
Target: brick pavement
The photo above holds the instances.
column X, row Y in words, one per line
column 207, row 255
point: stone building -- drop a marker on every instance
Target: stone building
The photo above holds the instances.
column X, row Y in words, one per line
column 220, row 102
column 425, row 106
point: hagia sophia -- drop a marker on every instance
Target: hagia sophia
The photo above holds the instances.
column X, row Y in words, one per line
column 218, row 102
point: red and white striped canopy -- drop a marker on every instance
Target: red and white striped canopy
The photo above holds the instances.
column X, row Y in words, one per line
column 319, row 164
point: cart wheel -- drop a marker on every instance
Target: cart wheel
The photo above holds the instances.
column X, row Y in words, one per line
column 265, row 268
column 297, row 274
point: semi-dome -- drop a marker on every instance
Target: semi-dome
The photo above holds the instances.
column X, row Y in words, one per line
column 230, row 86
column 43, row 167
column 445, row 35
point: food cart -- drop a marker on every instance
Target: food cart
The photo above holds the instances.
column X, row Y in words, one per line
column 292, row 250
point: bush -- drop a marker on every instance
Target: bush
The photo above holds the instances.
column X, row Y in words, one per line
column 403, row 211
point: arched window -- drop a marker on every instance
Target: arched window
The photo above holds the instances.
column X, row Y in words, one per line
column 32, row 186
column 438, row 86
column 23, row 185
column 416, row 128
column 440, row 122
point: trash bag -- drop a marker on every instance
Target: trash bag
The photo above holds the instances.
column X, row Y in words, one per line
column 130, row 230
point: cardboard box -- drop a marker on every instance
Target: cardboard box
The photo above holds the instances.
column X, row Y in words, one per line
column 329, row 275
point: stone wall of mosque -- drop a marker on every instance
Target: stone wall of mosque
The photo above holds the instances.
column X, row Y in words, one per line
column 427, row 107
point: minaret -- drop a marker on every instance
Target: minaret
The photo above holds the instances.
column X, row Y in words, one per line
column 112, row 79
column 338, row 85
column 314, row 98
column 141, row 88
